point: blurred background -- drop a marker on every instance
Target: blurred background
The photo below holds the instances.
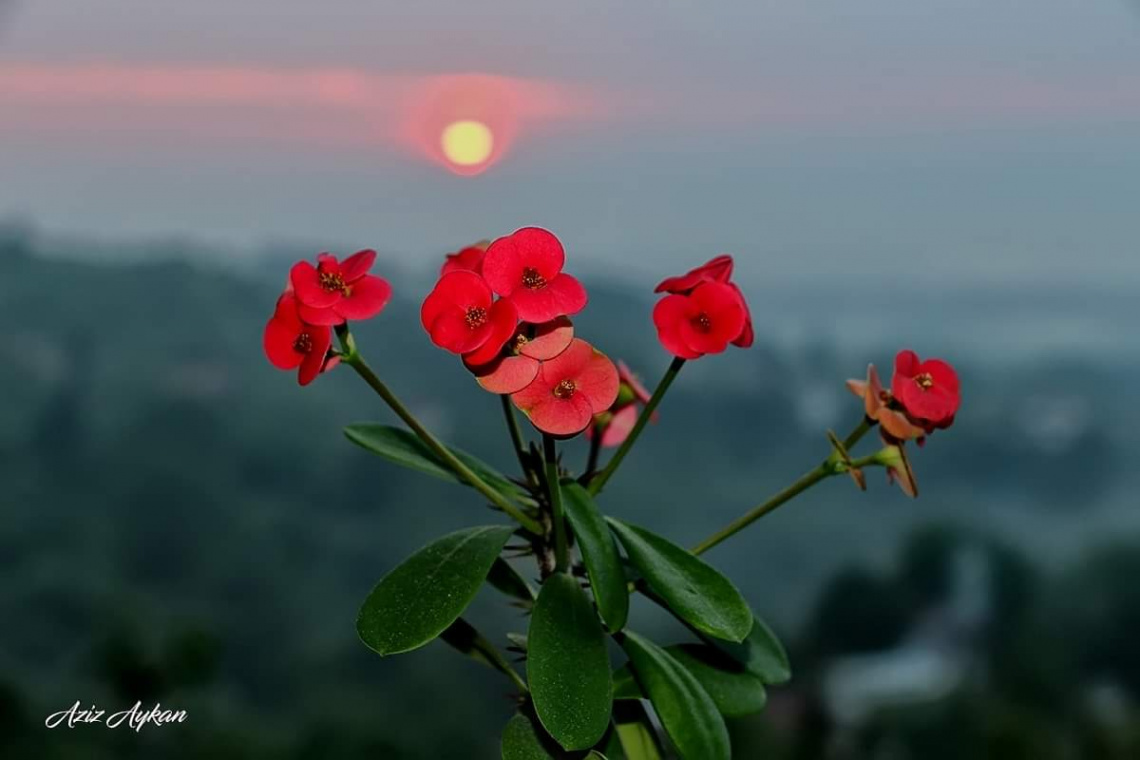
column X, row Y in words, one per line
column 180, row 522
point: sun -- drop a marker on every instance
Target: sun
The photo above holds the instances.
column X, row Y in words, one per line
column 467, row 143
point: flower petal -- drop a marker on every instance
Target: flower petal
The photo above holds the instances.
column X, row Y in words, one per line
column 502, row 266
column 560, row 416
column 307, row 286
column 550, row 339
column 668, row 316
column 469, row 259
column 598, row 381
column 314, row 361
column 367, row 297
column 621, row 425
column 327, row 316
column 702, row 342
column 747, row 335
column 450, row 331
column 569, row 364
column 503, row 318
column 718, row 269
column 634, row 382
column 357, row 265
column 280, row 335
column 561, row 296
column 507, row 374
column 461, row 289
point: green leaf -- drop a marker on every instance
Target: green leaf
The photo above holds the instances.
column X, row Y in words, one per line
column 567, row 665
column 735, row 691
column 625, row 685
column 687, row 712
column 522, row 740
column 692, row 590
column 600, row 553
column 507, row 579
column 633, row 736
column 428, row 591
column 404, row 448
column 761, row 653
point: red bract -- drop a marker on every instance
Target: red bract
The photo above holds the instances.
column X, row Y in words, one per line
column 877, row 407
column 332, row 291
column 526, row 267
column 291, row 343
column 927, row 390
column 569, row 390
column 516, row 365
column 462, row 316
column 470, row 259
column 703, row 322
column 718, row 269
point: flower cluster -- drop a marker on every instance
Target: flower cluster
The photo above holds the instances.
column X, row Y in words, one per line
column 703, row 312
column 317, row 298
column 505, row 309
column 924, row 397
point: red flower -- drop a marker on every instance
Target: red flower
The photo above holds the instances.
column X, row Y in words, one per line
column 333, row 291
column 569, row 390
column 526, row 267
column 616, row 424
column 469, row 259
column 462, row 316
column 877, row 406
column 703, row 322
column 718, row 269
column 516, row 365
column 290, row 342
column 927, row 390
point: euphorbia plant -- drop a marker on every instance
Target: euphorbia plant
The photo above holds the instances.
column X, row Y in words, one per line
column 505, row 310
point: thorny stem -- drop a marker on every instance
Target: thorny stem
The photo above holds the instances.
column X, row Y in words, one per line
column 558, row 522
column 352, row 358
column 828, row 467
column 595, row 450
column 598, row 482
column 516, row 435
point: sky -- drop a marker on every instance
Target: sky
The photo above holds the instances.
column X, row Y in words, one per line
column 967, row 139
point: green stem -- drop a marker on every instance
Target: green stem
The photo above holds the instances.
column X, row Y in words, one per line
column 516, row 435
column 558, row 521
column 827, row 468
column 595, row 450
column 599, row 482
column 353, row 359
column 465, row 638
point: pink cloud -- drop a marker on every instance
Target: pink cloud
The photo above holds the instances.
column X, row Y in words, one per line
column 404, row 112
column 269, row 105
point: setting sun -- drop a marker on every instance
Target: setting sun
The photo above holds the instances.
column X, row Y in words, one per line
column 467, row 143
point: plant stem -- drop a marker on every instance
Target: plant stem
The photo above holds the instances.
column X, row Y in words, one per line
column 595, row 450
column 353, row 359
column 516, row 435
column 466, row 639
column 558, row 521
column 826, row 469
column 598, row 483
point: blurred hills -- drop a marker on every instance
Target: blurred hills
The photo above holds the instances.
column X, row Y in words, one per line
column 170, row 498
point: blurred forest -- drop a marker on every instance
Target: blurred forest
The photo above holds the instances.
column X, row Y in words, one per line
column 180, row 522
